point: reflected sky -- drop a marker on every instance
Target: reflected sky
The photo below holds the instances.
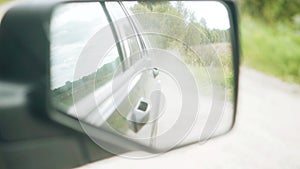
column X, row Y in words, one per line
column 71, row 28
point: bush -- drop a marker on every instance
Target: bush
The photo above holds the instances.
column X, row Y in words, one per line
column 271, row 49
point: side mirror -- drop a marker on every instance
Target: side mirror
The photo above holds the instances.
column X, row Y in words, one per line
column 133, row 76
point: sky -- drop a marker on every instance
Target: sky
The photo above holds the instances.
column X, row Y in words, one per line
column 215, row 13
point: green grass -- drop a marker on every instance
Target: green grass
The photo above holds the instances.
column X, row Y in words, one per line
column 273, row 49
column 3, row 1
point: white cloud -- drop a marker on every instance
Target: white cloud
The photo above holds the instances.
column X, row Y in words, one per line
column 215, row 13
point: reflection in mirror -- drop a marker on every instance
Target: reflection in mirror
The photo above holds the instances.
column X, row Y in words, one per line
column 158, row 73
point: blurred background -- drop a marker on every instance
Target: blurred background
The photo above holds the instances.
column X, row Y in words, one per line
column 271, row 37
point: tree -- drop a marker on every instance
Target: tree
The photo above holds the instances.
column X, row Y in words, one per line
column 174, row 22
column 271, row 11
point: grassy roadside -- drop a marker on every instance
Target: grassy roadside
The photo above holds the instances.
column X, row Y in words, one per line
column 3, row 1
column 272, row 49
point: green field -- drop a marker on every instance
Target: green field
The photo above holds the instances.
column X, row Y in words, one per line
column 272, row 49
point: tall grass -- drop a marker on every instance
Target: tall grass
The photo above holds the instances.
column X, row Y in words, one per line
column 273, row 49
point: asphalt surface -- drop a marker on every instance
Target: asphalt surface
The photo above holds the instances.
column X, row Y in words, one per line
column 266, row 134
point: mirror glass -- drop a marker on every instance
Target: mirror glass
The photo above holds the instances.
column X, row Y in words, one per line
column 156, row 73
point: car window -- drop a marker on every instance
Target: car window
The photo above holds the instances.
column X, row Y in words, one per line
column 130, row 44
column 68, row 44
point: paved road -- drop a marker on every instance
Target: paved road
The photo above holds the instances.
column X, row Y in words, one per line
column 266, row 135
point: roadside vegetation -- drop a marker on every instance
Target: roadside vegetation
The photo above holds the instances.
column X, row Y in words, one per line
column 3, row 1
column 270, row 34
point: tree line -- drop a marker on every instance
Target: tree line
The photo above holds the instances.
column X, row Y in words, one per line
column 271, row 10
column 187, row 27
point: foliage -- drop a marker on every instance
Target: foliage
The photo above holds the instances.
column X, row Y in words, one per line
column 270, row 37
column 274, row 50
column 177, row 23
column 3, row 1
column 180, row 22
column 271, row 11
